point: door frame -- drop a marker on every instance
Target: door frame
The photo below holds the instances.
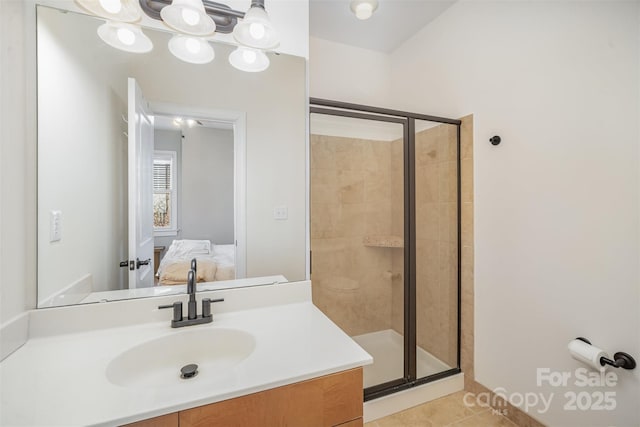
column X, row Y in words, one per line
column 238, row 119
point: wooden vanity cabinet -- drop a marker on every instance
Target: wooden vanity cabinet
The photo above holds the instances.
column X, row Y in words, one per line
column 332, row 400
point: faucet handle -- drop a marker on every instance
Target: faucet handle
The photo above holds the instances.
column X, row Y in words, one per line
column 191, row 282
column 177, row 310
column 206, row 305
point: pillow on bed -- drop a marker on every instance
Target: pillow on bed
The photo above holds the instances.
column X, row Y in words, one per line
column 190, row 247
column 176, row 273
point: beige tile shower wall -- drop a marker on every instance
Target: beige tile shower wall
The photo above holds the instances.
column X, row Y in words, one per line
column 467, row 296
column 436, row 242
column 350, row 200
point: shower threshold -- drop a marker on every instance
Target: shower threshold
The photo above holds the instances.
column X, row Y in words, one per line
column 387, row 349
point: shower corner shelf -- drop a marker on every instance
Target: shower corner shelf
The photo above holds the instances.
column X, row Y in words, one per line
column 383, row 241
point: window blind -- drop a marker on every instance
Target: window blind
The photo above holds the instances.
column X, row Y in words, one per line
column 162, row 176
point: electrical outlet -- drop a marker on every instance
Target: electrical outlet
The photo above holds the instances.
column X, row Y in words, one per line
column 55, row 226
column 280, row 213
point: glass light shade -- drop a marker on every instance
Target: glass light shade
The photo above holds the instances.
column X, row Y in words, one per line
column 191, row 49
column 248, row 59
column 188, row 17
column 256, row 30
column 123, row 36
column 114, row 10
column 363, row 9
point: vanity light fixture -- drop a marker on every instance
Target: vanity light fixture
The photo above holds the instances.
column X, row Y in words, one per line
column 124, row 36
column 192, row 20
column 194, row 50
column 256, row 30
column 364, row 9
column 114, row 10
column 188, row 17
column 249, row 59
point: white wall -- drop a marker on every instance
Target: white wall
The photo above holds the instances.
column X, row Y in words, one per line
column 346, row 73
column 556, row 220
column 207, row 185
column 82, row 156
column 17, row 266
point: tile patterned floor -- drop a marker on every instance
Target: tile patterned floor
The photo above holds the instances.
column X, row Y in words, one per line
column 447, row 411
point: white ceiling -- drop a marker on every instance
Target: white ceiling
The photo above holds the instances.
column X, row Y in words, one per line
column 391, row 24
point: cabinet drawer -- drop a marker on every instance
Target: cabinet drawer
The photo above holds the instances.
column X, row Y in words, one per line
column 326, row 401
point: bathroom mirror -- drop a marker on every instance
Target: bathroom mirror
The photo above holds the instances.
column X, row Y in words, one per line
column 222, row 180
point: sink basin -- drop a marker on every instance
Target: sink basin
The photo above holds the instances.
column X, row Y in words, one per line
column 158, row 363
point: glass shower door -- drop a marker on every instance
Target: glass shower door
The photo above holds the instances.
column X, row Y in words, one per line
column 357, row 204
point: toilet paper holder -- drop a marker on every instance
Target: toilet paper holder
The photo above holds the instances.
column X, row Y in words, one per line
column 620, row 359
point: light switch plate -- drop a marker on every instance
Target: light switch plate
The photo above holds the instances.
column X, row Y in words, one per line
column 55, row 226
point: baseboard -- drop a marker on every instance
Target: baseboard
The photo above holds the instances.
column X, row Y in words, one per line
column 513, row 413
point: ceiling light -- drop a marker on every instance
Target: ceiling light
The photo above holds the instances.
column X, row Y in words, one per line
column 191, row 49
column 248, row 59
column 115, row 10
column 364, row 8
column 256, row 30
column 123, row 36
column 188, row 17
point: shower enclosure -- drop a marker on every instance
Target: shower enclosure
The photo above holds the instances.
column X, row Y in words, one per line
column 385, row 238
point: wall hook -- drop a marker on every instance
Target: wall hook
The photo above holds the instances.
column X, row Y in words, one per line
column 495, row 140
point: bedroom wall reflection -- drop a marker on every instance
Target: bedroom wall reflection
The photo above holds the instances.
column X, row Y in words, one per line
column 83, row 177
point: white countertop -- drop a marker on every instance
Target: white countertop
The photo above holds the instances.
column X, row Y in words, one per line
column 60, row 379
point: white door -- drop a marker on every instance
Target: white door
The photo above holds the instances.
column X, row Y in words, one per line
column 140, row 189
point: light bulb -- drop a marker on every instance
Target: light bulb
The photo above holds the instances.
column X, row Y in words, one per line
column 123, row 36
column 126, row 36
column 112, row 10
column 111, row 6
column 191, row 17
column 192, row 45
column 250, row 60
column 364, row 11
column 257, row 30
column 249, row 56
column 191, row 122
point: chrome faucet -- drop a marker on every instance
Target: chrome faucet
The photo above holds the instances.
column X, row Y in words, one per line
column 192, row 309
